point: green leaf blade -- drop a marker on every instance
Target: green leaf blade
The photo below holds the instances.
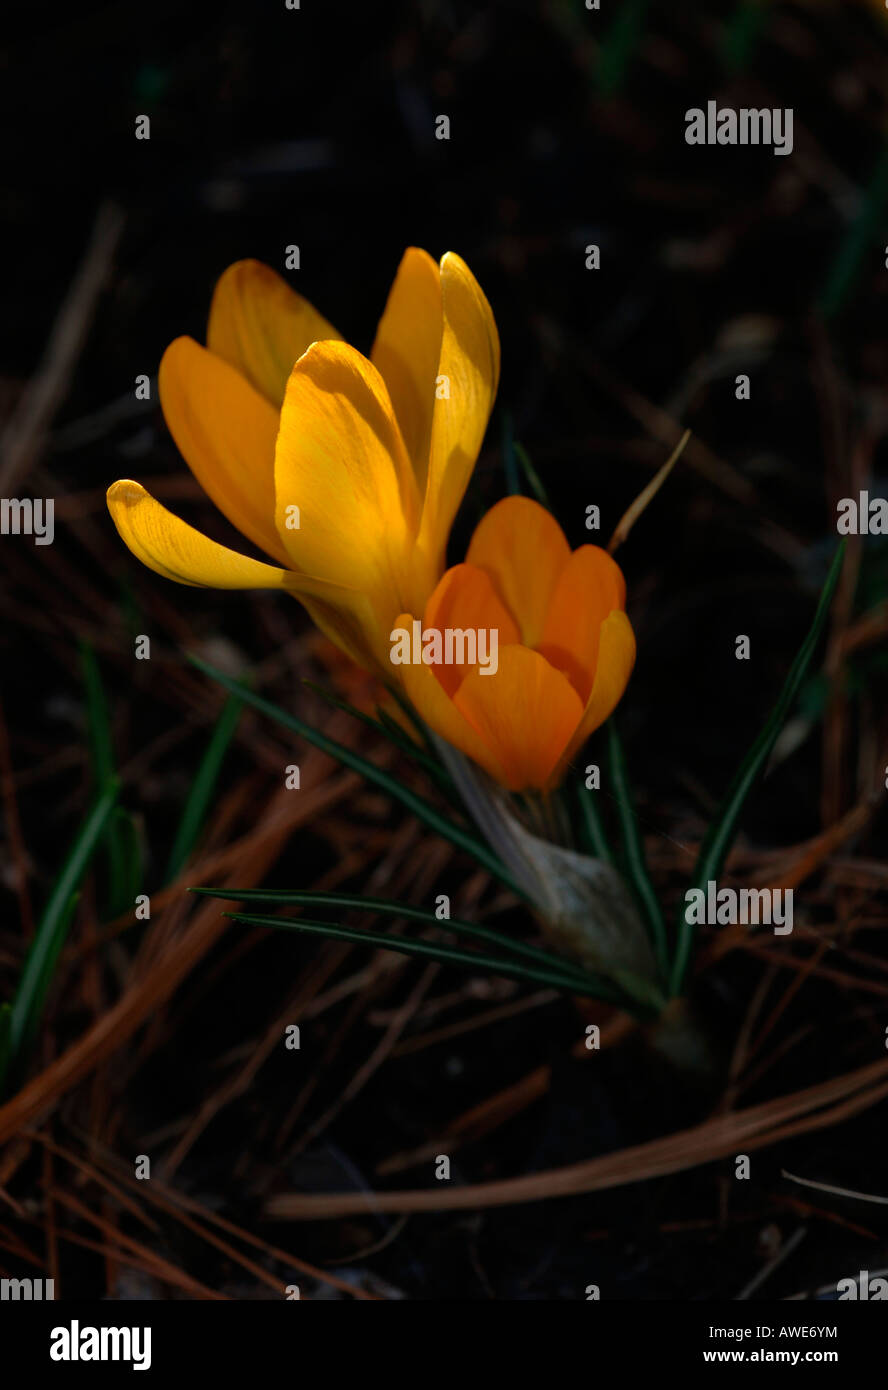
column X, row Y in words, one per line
column 202, row 788
column 52, row 928
column 633, row 847
column 445, row 955
column 310, row 898
column 723, row 829
column 424, row 813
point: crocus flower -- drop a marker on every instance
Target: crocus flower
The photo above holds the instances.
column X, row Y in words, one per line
column 346, row 471
column 566, row 647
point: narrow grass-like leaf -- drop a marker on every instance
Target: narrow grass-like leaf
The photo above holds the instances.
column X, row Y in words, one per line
column 337, row 703
column 127, row 880
column 633, row 847
column 532, row 476
column 387, row 728
column 429, row 765
column 723, row 829
column 203, row 786
column 52, row 928
column 620, row 44
column 115, row 895
column 446, row 955
column 309, row 898
column 591, row 824
column 510, row 463
column 5, row 1049
column 402, row 740
column 413, row 718
column 858, row 238
column 424, row 813
column 742, row 32
column 98, row 719
column 42, row 980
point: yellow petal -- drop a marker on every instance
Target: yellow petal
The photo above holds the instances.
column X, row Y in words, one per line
column 176, row 550
column 340, row 459
column 590, row 586
column 346, row 617
column 466, row 598
column 170, row 547
column 260, row 326
column 523, row 549
column 468, row 373
column 616, row 658
column 407, row 350
column 225, row 431
column 525, row 715
column 432, row 703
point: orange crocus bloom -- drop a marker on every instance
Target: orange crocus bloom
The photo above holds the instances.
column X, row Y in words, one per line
column 345, row 470
column 566, row 647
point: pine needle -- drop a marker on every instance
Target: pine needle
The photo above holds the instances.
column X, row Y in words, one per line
column 631, row 515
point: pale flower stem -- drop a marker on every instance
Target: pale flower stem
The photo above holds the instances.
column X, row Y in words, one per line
column 552, row 819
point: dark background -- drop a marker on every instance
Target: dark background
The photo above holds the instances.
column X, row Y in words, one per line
column 316, row 127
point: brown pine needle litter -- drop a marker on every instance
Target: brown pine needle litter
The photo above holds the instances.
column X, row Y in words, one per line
column 365, row 1124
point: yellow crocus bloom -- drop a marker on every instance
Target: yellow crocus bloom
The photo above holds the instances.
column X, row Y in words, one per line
column 347, row 471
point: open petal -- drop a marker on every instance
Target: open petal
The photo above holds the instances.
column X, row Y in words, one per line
column 225, row 431
column 466, row 599
column 347, row 618
column 523, row 549
column 590, row 586
column 616, row 658
column 171, row 547
column 432, row 703
column 467, row 377
column 341, row 461
column 525, row 715
column 260, row 326
column 407, row 350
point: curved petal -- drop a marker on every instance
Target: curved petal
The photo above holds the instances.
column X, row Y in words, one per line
column 590, row 586
column 176, row 550
column 616, row 658
column 340, row 459
column 467, row 377
column 261, row 327
column 407, row 349
column 346, row 617
column 225, row 431
column 172, row 548
column 525, row 715
column 465, row 598
column 523, row 549
column 432, row 703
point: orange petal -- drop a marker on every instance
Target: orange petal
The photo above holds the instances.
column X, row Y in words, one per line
column 432, row 703
column 525, row 715
column 466, row 598
column 590, row 586
column 260, row 326
column 616, row 658
column 225, row 431
column 523, row 549
column 407, row 349
column 171, row 547
column 467, row 377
